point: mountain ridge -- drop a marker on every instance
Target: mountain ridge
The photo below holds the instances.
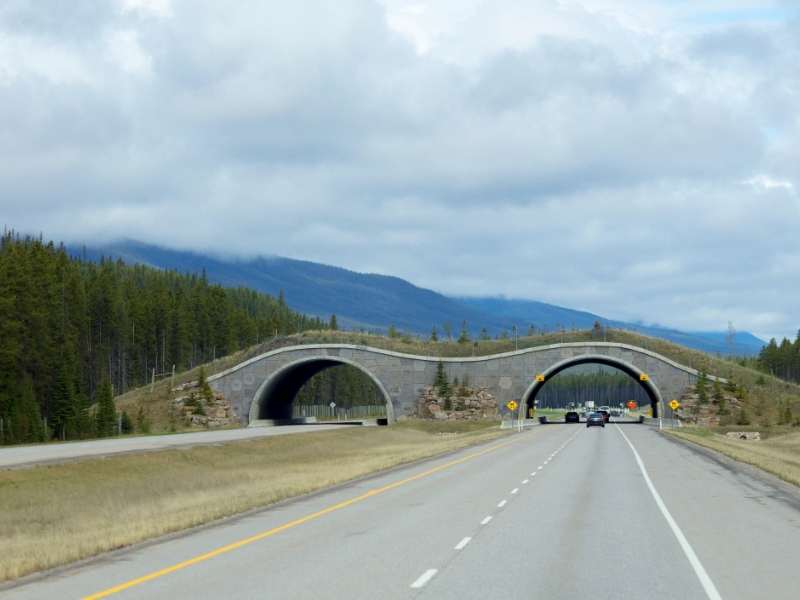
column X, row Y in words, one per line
column 375, row 302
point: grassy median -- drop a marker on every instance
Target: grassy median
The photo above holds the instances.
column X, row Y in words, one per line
column 779, row 454
column 52, row 515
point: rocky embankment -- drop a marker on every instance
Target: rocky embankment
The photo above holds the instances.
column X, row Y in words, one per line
column 465, row 404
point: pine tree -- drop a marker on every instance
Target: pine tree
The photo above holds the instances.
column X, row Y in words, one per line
column 125, row 423
column 463, row 336
column 106, row 414
column 24, row 424
column 334, row 325
column 434, row 334
column 83, row 424
column 206, row 392
column 440, row 382
column 63, row 402
column 701, row 388
column 717, row 394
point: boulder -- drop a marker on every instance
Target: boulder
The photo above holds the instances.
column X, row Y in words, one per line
column 745, row 435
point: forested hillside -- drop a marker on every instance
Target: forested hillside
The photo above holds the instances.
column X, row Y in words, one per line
column 70, row 329
column 782, row 360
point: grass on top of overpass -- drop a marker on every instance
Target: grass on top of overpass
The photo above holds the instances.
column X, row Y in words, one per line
column 778, row 454
column 56, row 514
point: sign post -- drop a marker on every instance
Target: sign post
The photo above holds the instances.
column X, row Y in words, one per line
column 333, row 406
column 674, row 405
column 512, row 406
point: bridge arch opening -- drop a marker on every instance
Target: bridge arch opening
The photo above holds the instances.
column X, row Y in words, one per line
column 653, row 394
column 276, row 398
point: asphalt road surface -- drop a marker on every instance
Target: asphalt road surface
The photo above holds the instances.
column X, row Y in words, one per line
column 16, row 456
column 557, row 512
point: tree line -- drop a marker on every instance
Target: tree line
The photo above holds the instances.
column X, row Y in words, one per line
column 781, row 359
column 73, row 333
column 345, row 385
column 602, row 387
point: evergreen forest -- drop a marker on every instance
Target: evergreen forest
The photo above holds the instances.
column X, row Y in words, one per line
column 781, row 360
column 75, row 333
column 604, row 387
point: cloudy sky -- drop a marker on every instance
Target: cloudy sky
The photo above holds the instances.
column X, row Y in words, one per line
column 637, row 158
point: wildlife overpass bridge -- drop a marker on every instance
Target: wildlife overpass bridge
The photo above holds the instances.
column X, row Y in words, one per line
column 262, row 389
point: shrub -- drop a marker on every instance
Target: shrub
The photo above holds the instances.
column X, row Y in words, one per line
column 742, row 418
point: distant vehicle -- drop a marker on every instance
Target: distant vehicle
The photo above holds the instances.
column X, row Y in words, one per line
column 572, row 417
column 606, row 414
column 594, row 419
column 603, row 408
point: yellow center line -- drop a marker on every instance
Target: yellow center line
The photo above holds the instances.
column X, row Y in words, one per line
column 275, row 530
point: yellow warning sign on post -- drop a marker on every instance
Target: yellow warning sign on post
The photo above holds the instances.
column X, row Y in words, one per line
column 512, row 405
column 540, row 378
column 644, row 377
column 674, row 404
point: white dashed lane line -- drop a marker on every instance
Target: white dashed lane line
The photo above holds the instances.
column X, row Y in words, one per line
column 463, row 543
column 424, row 578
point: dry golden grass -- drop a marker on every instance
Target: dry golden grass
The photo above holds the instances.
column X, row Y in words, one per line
column 779, row 455
column 53, row 515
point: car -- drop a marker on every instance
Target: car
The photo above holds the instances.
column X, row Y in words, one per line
column 572, row 417
column 605, row 413
column 595, row 418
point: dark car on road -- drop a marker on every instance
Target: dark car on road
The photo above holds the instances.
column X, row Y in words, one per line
column 572, row 417
column 595, row 418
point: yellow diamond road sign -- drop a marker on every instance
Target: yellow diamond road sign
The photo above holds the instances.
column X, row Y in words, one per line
column 511, row 405
column 540, row 378
column 644, row 377
column 674, row 404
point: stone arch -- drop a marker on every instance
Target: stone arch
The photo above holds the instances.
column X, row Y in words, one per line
column 274, row 398
column 656, row 400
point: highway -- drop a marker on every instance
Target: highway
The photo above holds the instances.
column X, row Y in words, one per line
column 19, row 456
column 556, row 512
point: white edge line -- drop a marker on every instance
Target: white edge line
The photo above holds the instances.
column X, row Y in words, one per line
column 524, row 481
column 463, row 543
column 502, row 503
column 515, row 490
column 702, row 574
column 424, row 578
column 486, row 520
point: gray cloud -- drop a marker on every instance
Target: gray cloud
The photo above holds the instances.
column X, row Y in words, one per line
column 577, row 156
